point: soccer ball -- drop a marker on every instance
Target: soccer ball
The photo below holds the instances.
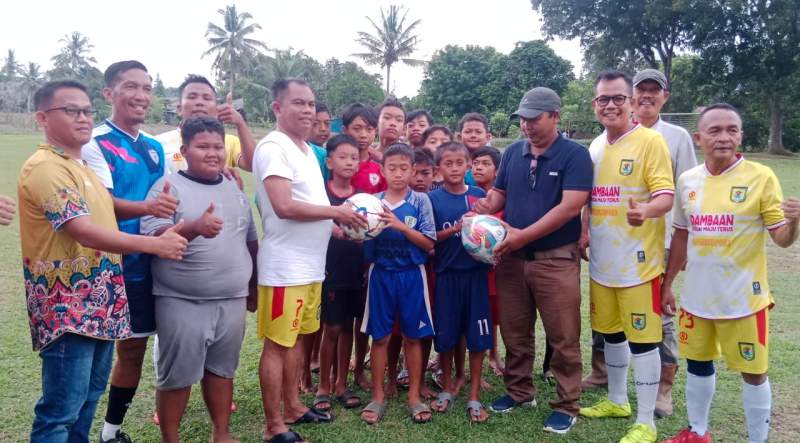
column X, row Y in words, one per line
column 480, row 235
column 372, row 208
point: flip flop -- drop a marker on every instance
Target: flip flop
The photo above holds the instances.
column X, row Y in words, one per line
column 344, row 399
column 442, row 397
column 323, row 398
column 285, row 437
column 418, row 409
column 403, row 379
column 474, row 409
column 313, row 415
column 379, row 409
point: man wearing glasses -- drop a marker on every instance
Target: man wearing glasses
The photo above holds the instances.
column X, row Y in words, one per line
column 633, row 190
column 542, row 185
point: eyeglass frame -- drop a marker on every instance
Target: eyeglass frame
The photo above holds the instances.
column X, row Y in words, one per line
column 608, row 99
column 74, row 112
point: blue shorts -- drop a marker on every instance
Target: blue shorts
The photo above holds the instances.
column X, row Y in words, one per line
column 401, row 295
column 462, row 309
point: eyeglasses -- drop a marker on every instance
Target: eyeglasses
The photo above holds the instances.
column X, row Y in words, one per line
column 532, row 173
column 604, row 100
column 75, row 112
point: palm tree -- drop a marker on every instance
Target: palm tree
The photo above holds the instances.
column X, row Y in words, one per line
column 392, row 42
column 10, row 66
column 230, row 42
column 74, row 56
column 32, row 78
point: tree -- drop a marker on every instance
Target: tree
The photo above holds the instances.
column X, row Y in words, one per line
column 231, row 44
column 285, row 64
column 158, row 87
column 533, row 64
column 10, row 65
column 74, row 57
column 576, row 106
column 393, row 41
column 655, row 29
column 754, row 46
column 345, row 83
column 32, row 79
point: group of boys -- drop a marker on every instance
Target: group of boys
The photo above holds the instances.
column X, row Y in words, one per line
column 116, row 265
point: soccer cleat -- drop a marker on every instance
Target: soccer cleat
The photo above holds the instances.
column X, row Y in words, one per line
column 121, row 437
column 606, row 408
column 559, row 423
column 688, row 436
column 640, row 433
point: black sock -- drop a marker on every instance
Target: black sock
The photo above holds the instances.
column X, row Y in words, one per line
column 119, row 400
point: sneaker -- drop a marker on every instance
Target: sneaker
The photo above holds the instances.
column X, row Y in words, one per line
column 559, row 422
column 507, row 404
column 640, row 433
column 688, row 436
column 607, row 408
column 121, row 437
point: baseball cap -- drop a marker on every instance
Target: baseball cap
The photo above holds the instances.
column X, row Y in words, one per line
column 650, row 74
column 536, row 101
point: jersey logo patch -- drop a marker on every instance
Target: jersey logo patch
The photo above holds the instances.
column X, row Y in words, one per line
column 756, row 288
column 638, row 321
column 640, row 257
column 153, row 155
column 747, row 351
column 421, row 324
column 692, row 196
column 626, row 166
column 374, row 179
column 738, row 194
column 410, row 221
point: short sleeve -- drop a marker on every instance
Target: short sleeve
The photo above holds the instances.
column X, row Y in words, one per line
column 93, row 156
column 56, row 192
column 578, row 171
column 426, row 223
column 658, row 167
column 149, row 225
column 501, row 182
column 272, row 160
column 233, row 150
column 771, row 199
column 679, row 219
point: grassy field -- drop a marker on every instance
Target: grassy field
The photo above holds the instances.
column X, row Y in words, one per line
column 20, row 385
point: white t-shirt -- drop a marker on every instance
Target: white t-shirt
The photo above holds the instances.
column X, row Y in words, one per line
column 681, row 152
column 292, row 252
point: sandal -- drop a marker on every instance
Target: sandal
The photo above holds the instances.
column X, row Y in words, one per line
column 441, row 398
column 474, row 409
column 417, row 410
column 345, row 399
column 320, row 399
column 285, row 437
column 313, row 415
column 402, row 379
column 379, row 409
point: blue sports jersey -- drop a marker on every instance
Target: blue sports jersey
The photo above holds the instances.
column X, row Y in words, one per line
column 447, row 210
column 391, row 250
column 128, row 166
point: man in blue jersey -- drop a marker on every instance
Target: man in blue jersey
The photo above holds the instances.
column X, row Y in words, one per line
column 128, row 162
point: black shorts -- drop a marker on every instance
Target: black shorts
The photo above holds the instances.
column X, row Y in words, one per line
column 142, row 305
column 341, row 305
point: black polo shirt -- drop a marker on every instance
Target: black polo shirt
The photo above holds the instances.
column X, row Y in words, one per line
column 565, row 166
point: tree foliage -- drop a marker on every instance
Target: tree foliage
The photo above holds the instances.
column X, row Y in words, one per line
column 75, row 57
column 231, row 43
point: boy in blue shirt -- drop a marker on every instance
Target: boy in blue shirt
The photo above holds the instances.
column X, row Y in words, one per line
column 462, row 292
column 396, row 287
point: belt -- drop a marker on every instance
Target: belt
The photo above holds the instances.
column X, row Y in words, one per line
column 568, row 251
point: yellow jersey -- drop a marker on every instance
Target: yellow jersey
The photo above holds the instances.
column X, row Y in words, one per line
column 171, row 142
column 727, row 216
column 638, row 166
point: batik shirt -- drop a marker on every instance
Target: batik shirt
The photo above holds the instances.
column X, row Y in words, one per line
column 69, row 288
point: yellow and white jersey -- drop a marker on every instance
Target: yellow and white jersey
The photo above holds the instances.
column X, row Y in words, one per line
column 638, row 166
column 171, row 142
column 727, row 216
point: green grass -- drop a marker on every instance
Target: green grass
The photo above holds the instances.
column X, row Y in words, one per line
column 20, row 386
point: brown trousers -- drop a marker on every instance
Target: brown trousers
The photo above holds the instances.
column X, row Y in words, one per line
column 550, row 284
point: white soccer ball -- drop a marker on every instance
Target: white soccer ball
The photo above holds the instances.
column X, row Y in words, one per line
column 480, row 235
column 372, row 208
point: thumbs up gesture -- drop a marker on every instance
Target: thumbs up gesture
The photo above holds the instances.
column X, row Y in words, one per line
column 227, row 114
column 171, row 245
column 637, row 212
column 164, row 205
column 208, row 225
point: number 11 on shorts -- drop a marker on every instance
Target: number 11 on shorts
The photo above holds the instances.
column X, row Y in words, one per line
column 483, row 327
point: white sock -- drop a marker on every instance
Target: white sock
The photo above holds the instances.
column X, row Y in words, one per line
column 646, row 375
column 757, row 405
column 699, row 393
column 618, row 357
column 110, row 431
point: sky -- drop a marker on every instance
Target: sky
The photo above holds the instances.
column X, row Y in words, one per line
column 168, row 36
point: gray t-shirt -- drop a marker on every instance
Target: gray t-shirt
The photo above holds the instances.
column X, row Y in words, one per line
column 212, row 268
